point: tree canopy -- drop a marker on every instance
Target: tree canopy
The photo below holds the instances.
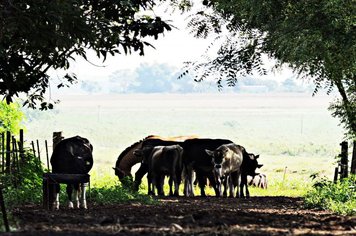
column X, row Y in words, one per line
column 314, row 37
column 36, row 36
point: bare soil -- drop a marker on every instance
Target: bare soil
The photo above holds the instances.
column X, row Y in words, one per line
column 187, row 216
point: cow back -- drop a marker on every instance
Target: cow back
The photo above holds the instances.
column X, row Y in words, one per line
column 195, row 154
column 72, row 156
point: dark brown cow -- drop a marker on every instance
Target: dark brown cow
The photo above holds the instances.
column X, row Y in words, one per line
column 163, row 161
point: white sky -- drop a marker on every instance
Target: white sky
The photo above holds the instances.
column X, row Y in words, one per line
column 173, row 48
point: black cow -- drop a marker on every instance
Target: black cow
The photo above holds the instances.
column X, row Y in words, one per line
column 196, row 159
column 230, row 162
column 162, row 161
column 145, row 150
column 248, row 167
column 72, row 156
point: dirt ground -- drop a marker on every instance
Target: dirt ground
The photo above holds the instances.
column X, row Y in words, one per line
column 187, row 216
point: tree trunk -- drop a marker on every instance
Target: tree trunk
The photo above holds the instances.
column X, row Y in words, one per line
column 344, row 160
column 346, row 104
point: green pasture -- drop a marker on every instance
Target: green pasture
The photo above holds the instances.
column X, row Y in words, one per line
column 294, row 134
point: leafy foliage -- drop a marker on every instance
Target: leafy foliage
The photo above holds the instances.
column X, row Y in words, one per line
column 24, row 186
column 339, row 197
column 315, row 38
column 11, row 117
column 40, row 35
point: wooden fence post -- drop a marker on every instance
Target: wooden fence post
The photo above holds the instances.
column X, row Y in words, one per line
column 38, row 150
column 46, row 144
column 8, row 152
column 3, row 211
column 353, row 160
column 336, row 172
column 33, row 148
column 2, row 152
column 22, row 156
column 344, row 160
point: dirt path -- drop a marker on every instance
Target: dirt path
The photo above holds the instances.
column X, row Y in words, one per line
column 189, row 216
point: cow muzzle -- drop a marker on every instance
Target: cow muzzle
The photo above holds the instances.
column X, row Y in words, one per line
column 217, row 166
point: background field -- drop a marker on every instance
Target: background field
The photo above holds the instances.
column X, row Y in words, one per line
column 294, row 133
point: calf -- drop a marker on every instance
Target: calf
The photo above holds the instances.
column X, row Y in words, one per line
column 231, row 161
column 166, row 160
column 248, row 167
column 162, row 161
column 259, row 180
column 149, row 144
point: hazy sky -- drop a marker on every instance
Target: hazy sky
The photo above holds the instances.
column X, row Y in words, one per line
column 173, row 48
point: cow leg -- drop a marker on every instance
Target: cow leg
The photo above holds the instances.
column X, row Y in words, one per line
column 139, row 175
column 242, row 184
column 231, row 185
column 57, row 189
column 151, row 180
column 238, row 184
column 244, row 180
column 83, row 196
column 173, row 180
column 176, row 181
column 202, row 183
column 76, row 195
column 69, row 193
column 225, row 183
column 150, row 183
column 218, row 187
column 170, row 181
column 213, row 183
column 160, row 182
column 188, row 182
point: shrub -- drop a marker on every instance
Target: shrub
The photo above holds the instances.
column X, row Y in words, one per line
column 24, row 186
column 339, row 197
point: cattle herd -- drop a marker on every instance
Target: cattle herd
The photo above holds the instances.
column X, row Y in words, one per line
column 221, row 163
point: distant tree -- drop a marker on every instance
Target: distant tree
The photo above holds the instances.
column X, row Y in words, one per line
column 37, row 35
column 157, row 78
column 316, row 38
column 122, row 81
column 90, row 87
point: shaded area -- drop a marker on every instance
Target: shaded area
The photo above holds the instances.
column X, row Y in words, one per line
column 179, row 216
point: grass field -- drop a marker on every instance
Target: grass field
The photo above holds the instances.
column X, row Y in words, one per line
column 294, row 133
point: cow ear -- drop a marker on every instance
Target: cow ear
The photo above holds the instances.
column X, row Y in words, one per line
column 259, row 166
column 257, row 156
column 210, row 153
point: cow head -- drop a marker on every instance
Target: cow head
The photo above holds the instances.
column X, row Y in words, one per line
column 252, row 164
column 217, row 159
column 144, row 153
column 119, row 173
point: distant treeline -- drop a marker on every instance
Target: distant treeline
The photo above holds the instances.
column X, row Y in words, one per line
column 163, row 78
